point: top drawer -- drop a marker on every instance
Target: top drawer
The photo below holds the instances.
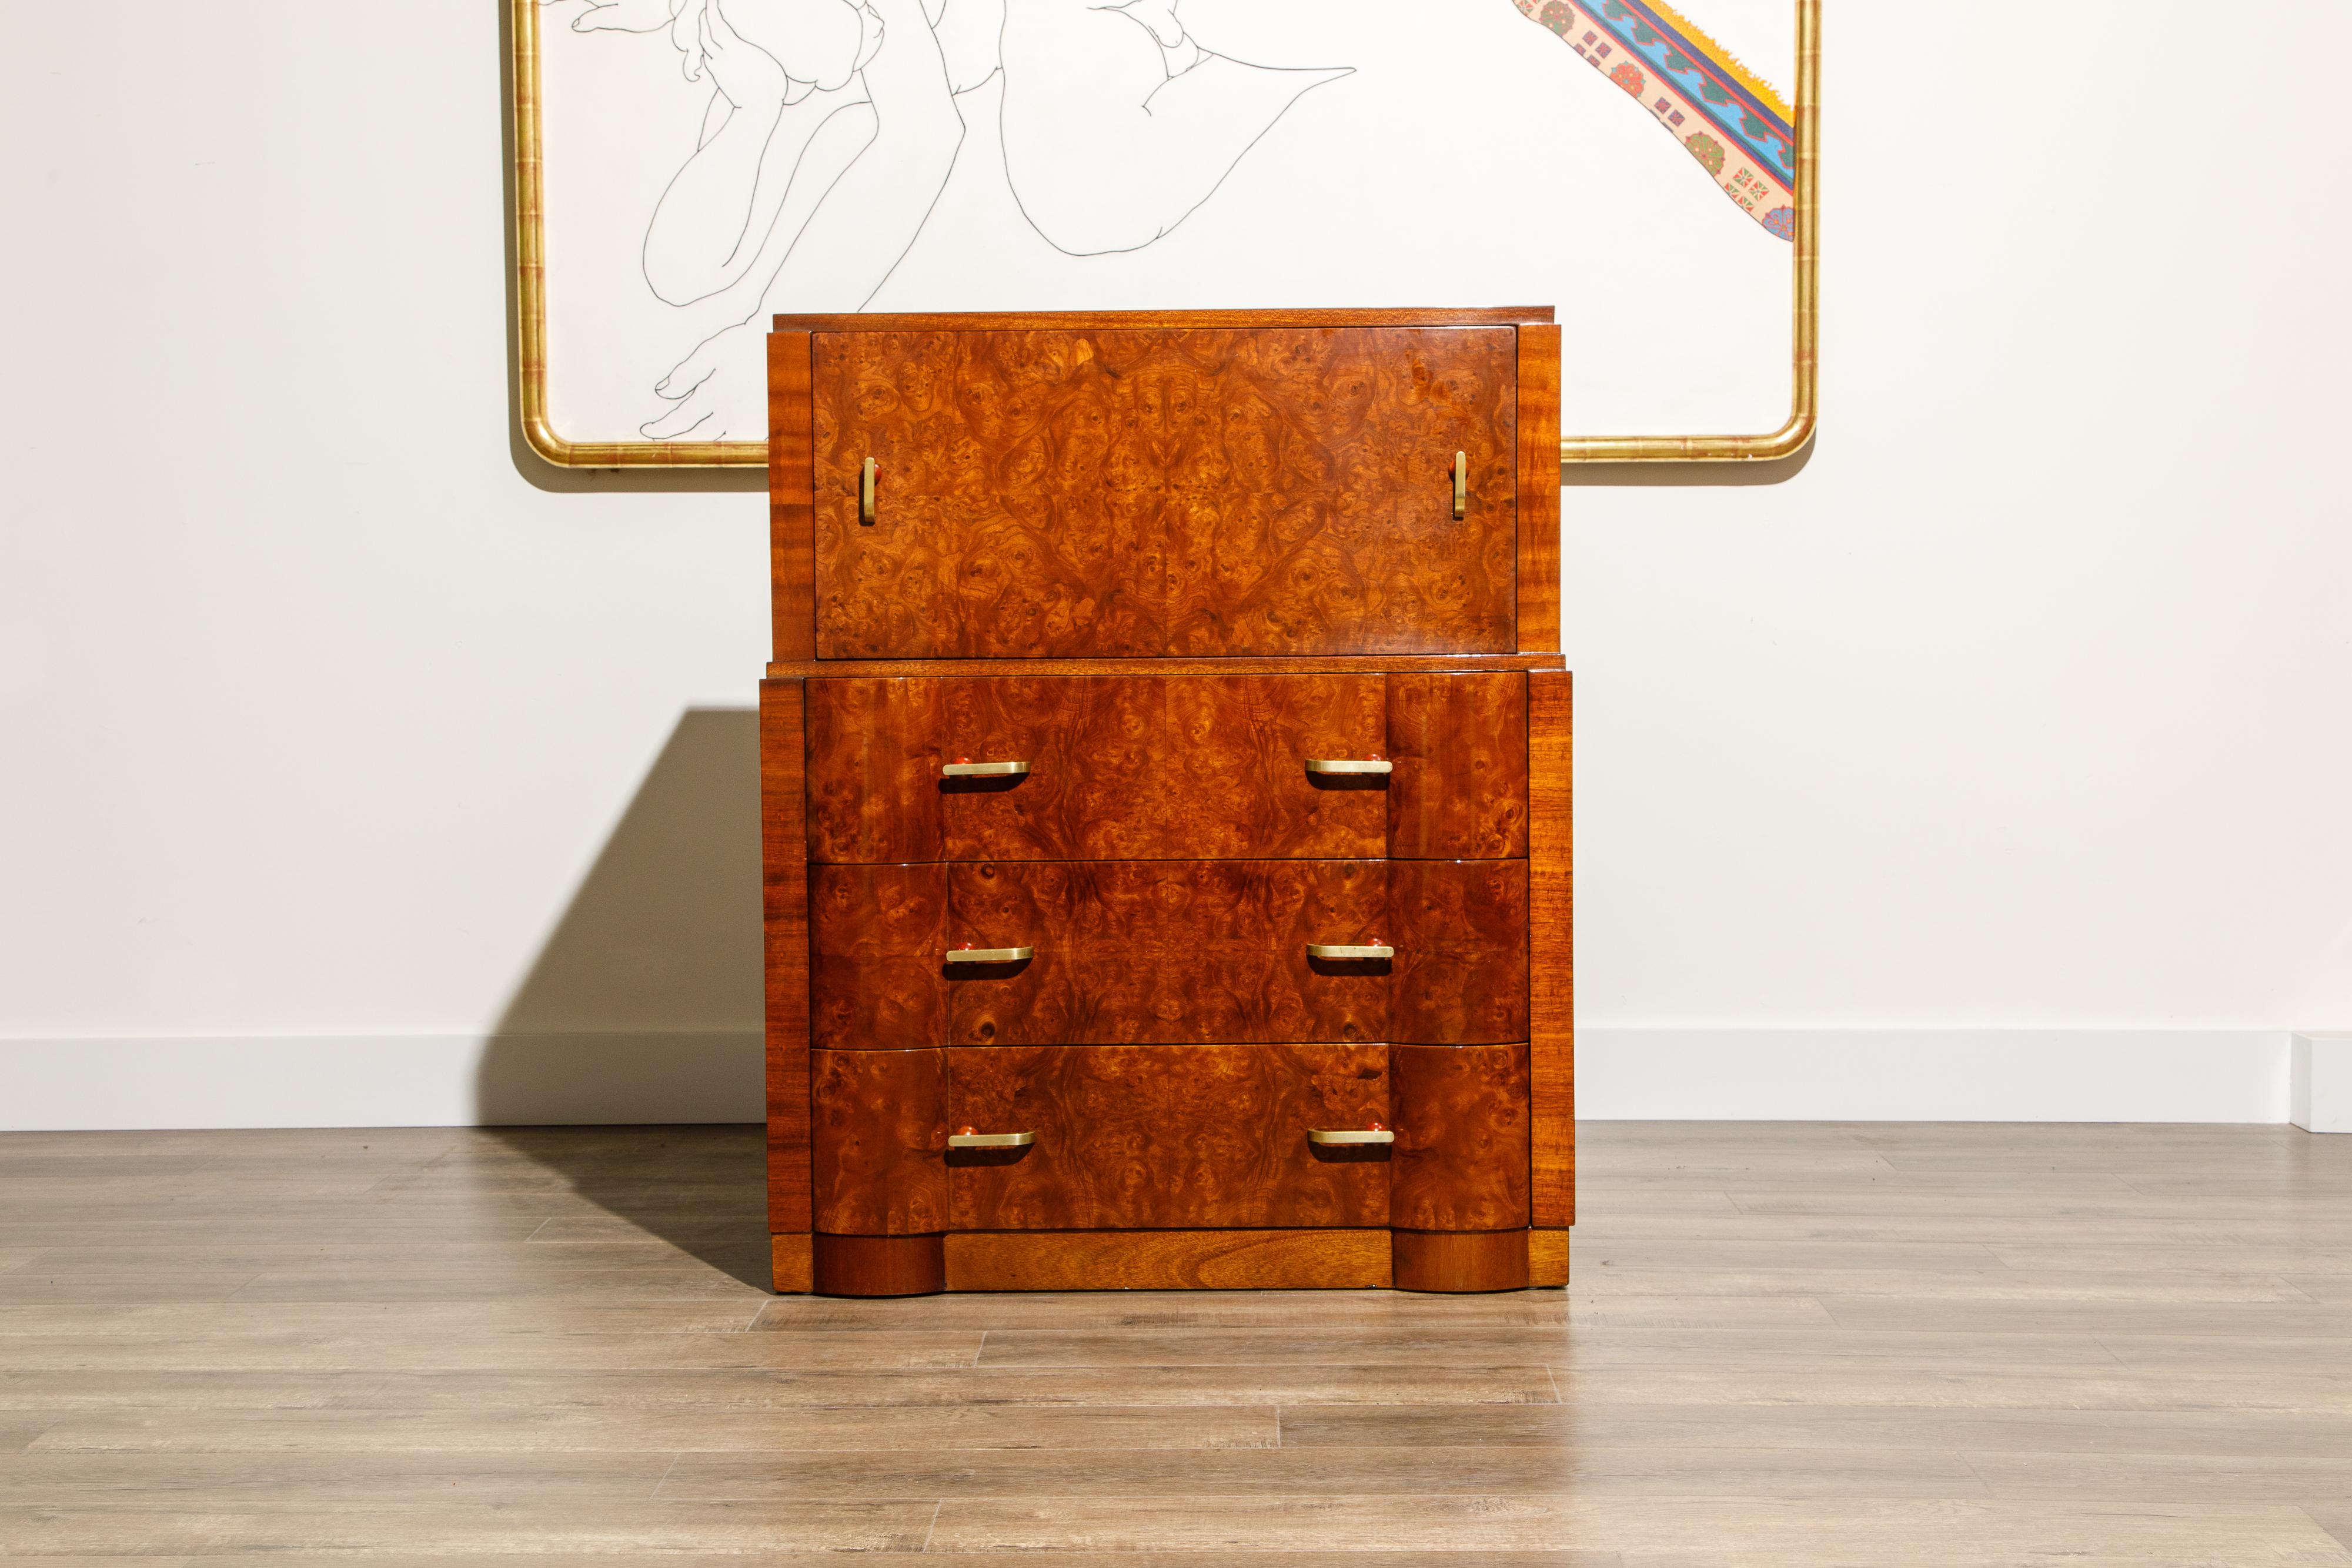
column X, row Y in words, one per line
column 1138, row 491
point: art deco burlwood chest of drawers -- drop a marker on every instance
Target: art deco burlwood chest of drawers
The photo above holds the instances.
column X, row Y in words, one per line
column 1165, row 777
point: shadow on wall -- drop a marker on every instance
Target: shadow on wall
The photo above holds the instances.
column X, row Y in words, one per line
column 644, row 1007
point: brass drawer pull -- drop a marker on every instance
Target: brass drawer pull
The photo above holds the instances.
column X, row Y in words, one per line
column 971, row 1140
column 988, row 954
column 866, row 493
column 961, row 769
column 1349, row 765
column 1461, row 485
column 1350, row 950
column 1349, row 1135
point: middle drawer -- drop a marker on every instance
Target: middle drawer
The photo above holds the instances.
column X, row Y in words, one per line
column 1166, row 952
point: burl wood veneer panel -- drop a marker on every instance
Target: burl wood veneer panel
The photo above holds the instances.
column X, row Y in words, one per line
column 1551, row 891
column 783, row 891
column 878, row 1121
column 1460, row 977
column 1168, row 1260
column 874, row 770
column 1460, row 1160
column 1188, row 767
column 1139, row 490
column 1121, row 768
column 1167, row 1136
column 1166, row 952
column 1460, row 747
column 876, row 934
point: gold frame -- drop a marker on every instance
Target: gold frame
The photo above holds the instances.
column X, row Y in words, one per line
column 530, row 306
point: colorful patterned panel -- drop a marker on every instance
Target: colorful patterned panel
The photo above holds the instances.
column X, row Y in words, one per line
column 1731, row 122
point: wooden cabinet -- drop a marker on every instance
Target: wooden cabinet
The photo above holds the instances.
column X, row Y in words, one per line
column 1165, row 765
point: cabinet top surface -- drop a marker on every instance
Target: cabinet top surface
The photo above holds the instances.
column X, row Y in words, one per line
column 1030, row 320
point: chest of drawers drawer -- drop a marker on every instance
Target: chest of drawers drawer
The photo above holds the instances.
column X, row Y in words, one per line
column 1131, row 952
column 1116, row 1137
column 1167, row 766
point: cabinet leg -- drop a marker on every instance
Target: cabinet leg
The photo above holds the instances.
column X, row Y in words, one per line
column 789, row 1264
column 1459, row 1259
column 880, row 1265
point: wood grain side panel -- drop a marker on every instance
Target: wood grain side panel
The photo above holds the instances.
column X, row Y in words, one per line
column 791, row 556
column 1077, row 493
column 879, row 1141
column 790, row 1269
column 1460, row 1261
column 783, row 889
column 1538, row 432
column 874, row 770
column 1461, row 935
column 1168, row 1261
column 1551, row 948
column 1460, row 747
column 1167, row 1136
column 1196, row 767
column 878, row 1265
column 1461, row 1153
column 876, row 932
column 1166, row 952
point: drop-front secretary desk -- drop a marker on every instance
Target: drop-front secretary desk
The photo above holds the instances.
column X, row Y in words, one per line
column 1165, row 770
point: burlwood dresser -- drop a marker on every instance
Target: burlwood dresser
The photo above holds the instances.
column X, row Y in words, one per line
column 1165, row 767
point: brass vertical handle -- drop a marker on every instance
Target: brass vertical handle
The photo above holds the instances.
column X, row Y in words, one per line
column 866, row 494
column 1460, row 485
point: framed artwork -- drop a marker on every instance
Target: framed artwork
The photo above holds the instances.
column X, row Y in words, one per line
column 686, row 169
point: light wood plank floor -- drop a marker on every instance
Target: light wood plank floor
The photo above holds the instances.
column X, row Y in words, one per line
column 1785, row 1344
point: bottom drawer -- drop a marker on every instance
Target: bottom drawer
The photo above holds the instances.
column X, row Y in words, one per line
column 1160, row 1136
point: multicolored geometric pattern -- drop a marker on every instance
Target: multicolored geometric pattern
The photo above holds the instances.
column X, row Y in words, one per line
column 1731, row 120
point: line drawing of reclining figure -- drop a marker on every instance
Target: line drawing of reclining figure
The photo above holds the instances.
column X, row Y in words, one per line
column 833, row 128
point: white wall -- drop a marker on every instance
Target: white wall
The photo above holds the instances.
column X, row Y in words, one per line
column 1990, row 765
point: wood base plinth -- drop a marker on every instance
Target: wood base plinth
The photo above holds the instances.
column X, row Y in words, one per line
column 1458, row 1260
column 880, row 1265
column 790, row 1265
column 1349, row 1260
column 1547, row 1257
column 1168, row 1260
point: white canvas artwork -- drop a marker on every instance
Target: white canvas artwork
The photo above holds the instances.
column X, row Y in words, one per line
column 707, row 163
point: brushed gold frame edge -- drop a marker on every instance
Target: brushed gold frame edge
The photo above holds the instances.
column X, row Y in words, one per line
column 530, row 303
column 1804, row 416
column 530, row 306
